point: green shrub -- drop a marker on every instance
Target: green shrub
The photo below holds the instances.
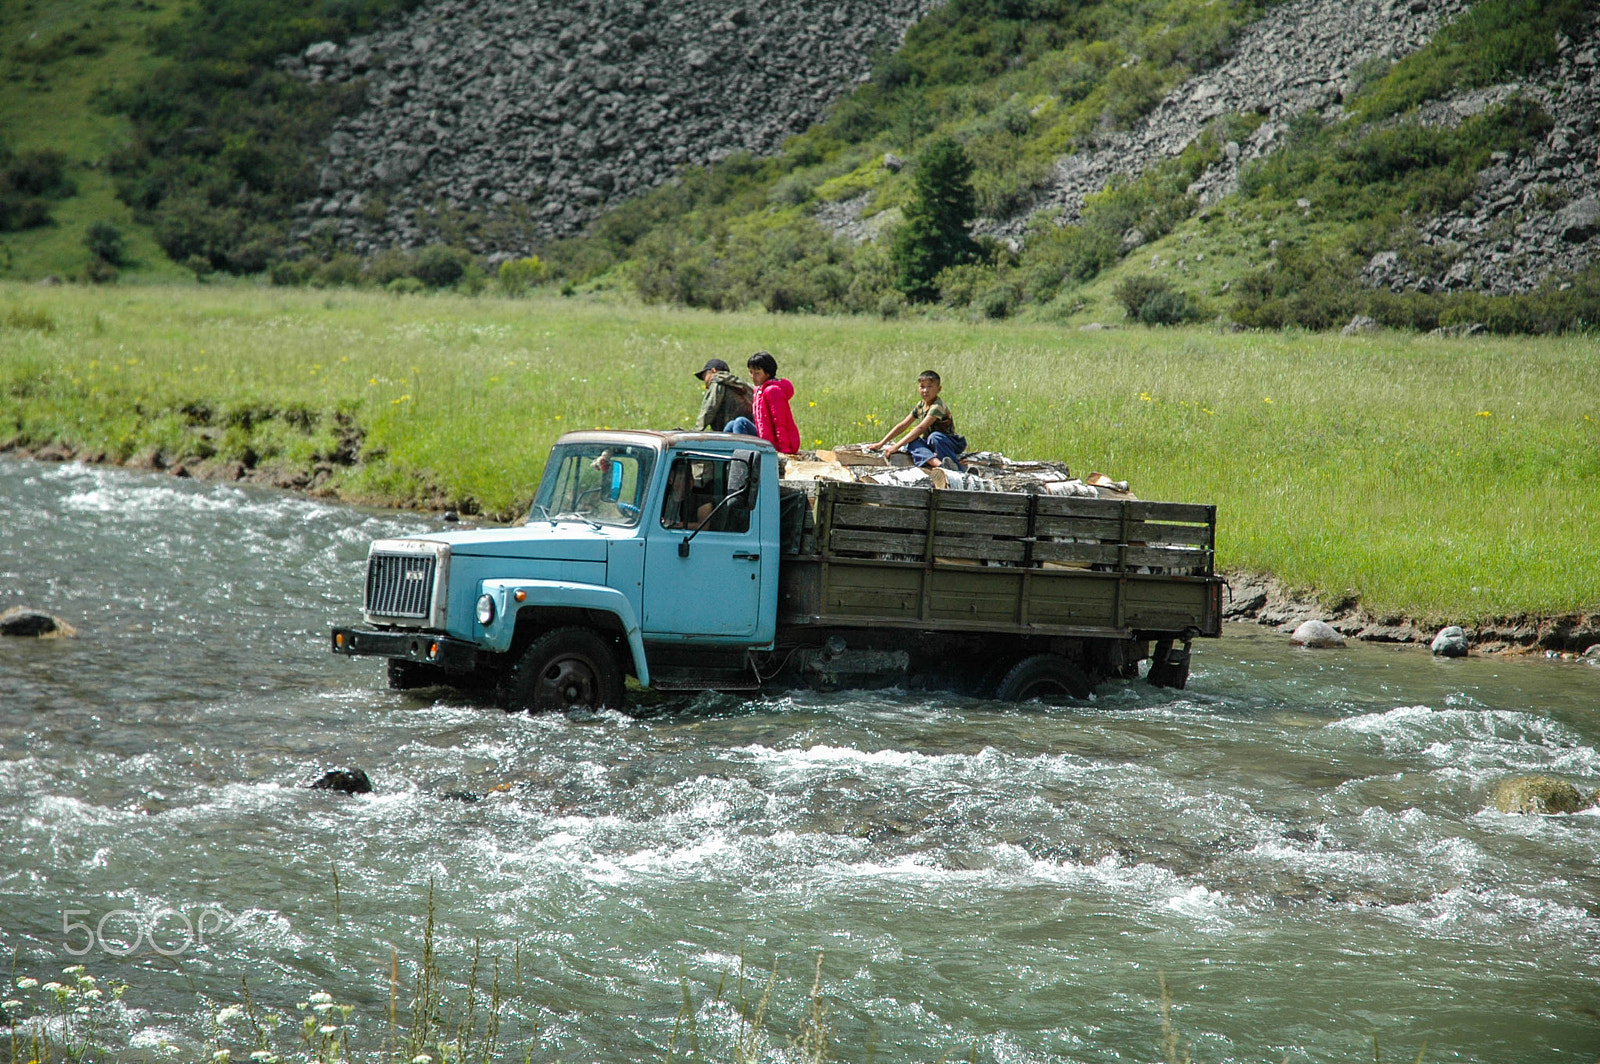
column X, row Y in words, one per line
column 104, row 242
column 387, row 266
column 516, row 276
column 473, row 280
column 200, row 266
column 287, row 273
column 440, row 266
column 405, row 286
column 99, row 271
column 339, row 271
column 1154, row 301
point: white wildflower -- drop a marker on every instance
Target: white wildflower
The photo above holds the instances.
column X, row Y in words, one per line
column 264, row 1056
column 321, row 998
column 327, row 1028
column 422, row 1058
column 54, row 987
column 221, row 1056
column 76, row 969
column 232, row 1012
column 325, row 1006
column 27, row 983
column 13, row 1004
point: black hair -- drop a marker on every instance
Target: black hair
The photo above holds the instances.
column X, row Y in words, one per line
column 929, row 375
column 764, row 362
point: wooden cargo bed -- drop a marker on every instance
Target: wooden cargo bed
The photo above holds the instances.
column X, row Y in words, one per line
column 1000, row 562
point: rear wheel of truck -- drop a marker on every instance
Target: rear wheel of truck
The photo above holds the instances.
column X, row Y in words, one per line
column 566, row 668
column 1046, row 677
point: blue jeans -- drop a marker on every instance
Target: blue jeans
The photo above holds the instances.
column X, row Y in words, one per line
column 948, row 449
column 741, row 426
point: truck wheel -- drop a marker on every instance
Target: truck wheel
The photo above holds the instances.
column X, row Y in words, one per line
column 566, row 668
column 409, row 675
column 1047, row 677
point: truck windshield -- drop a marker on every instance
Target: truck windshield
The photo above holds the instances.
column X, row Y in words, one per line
column 601, row 483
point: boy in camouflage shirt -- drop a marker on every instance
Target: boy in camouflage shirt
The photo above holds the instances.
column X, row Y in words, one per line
column 727, row 397
column 932, row 440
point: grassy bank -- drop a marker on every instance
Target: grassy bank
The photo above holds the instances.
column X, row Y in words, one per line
column 1446, row 479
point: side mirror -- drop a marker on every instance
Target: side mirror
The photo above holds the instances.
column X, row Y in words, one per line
column 744, row 478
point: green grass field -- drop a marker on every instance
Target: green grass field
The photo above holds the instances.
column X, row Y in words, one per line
column 1444, row 479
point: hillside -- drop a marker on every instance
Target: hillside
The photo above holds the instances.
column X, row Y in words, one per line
column 1424, row 163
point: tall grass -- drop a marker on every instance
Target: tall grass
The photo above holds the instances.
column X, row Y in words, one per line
column 1440, row 478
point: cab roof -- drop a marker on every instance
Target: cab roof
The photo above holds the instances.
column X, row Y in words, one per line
column 663, row 440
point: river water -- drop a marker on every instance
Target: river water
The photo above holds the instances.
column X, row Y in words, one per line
column 1300, row 844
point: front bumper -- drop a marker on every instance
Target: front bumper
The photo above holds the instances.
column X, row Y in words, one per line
column 454, row 655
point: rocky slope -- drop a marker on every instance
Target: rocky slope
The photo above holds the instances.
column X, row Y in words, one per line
column 1298, row 58
column 539, row 117
column 544, row 114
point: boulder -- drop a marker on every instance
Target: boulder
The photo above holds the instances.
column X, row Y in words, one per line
column 24, row 622
column 1316, row 634
column 343, row 780
column 1539, row 794
column 1579, row 220
column 1592, row 654
column 1451, row 642
column 1359, row 324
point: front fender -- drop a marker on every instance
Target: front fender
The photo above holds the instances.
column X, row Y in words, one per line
column 560, row 593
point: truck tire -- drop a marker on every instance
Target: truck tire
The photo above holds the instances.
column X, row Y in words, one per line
column 566, row 668
column 1047, row 677
column 409, row 675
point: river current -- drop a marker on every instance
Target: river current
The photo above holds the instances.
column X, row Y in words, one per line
column 1301, row 844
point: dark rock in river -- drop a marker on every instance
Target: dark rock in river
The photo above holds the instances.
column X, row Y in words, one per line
column 1451, row 642
column 1316, row 634
column 22, row 621
column 1539, row 794
column 344, row 780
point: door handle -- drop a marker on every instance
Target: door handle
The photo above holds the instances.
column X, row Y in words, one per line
column 745, row 555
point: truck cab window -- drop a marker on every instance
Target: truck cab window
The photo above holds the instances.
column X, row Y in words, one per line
column 694, row 487
column 604, row 484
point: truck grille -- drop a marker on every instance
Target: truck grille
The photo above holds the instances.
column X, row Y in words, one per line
column 400, row 585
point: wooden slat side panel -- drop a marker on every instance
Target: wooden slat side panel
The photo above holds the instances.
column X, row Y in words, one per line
column 1161, row 605
column 906, row 519
column 986, row 595
column 909, row 498
column 1071, row 599
column 1112, row 554
column 871, row 591
column 849, row 541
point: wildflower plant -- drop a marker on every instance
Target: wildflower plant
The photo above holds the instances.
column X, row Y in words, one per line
column 72, row 1018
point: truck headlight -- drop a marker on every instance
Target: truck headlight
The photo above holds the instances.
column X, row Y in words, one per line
column 485, row 610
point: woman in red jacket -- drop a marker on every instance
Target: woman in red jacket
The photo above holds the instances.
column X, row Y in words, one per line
column 773, row 421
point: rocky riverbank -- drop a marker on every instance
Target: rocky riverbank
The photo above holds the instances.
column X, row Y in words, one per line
column 1260, row 599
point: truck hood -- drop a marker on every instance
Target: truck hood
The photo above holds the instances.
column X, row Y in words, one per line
column 568, row 541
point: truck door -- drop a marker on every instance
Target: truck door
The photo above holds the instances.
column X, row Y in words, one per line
column 715, row 590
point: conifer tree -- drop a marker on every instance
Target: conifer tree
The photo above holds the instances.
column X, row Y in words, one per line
column 935, row 235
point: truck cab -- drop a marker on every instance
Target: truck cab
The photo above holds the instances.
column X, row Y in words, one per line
column 660, row 539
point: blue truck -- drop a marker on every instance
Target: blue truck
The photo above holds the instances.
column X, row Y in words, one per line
column 684, row 561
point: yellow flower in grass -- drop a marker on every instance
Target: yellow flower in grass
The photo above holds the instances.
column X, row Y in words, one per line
column 1484, row 413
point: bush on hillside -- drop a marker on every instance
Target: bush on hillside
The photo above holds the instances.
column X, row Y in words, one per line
column 1154, row 301
column 516, row 276
column 104, row 241
column 438, row 266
